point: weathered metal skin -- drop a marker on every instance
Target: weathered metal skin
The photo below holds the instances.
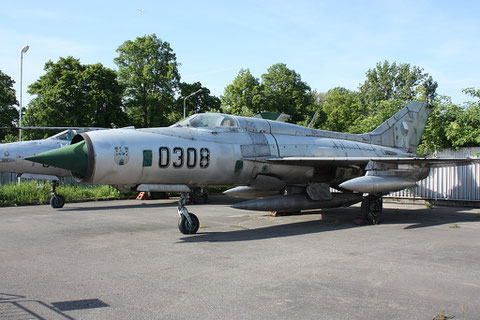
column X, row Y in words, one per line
column 12, row 155
column 218, row 149
column 226, row 148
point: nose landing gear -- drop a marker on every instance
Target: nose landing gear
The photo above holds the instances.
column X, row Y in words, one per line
column 56, row 201
column 188, row 223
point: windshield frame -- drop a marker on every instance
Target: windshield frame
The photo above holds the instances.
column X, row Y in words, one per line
column 210, row 121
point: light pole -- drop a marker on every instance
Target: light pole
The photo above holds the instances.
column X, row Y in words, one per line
column 185, row 101
column 24, row 50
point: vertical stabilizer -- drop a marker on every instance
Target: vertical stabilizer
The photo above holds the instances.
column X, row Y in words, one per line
column 404, row 129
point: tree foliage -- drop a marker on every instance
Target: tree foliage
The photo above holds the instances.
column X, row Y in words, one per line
column 201, row 102
column 281, row 90
column 389, row 87
column 72, row 94
column 464, row 131
column 342, row 107
column 284, row 91
column 452, row 126
column 8, row 112
column 401, row 82
column 148, row 69
column 244, row 96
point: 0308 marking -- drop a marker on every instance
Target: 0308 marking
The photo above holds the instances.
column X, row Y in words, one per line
column 178, row 157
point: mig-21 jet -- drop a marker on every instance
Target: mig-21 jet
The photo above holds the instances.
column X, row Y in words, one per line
column 12, row 157
column 284, row 167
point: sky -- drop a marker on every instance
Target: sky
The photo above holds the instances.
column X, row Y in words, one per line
column 329, row 43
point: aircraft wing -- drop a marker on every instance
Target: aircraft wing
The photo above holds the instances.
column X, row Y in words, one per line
column 363, row 161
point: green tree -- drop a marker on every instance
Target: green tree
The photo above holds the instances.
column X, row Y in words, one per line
column 342, row 107
column 72, row 94
column 8, row 112
column 401, row 82
column 435, row 137
column 369, row 121
column 315, row 112
column 284, row 91
column 244, row 96
column 149, row 71
column 388, row 88
column 198, row 103
column 464, row 131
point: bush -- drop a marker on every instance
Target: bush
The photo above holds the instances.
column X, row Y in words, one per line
column 34, row 192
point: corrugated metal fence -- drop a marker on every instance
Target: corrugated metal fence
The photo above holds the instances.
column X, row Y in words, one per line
column 448, row 183
column 7, row 177
column 10, row 177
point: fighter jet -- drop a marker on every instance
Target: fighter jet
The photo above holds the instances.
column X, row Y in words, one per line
column 12, row 158
column 285, row 167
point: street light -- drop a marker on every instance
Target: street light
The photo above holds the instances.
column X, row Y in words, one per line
column 24, row 50
column 185, row 101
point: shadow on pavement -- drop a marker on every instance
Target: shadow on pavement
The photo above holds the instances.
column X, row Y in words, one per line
column 16, row 307
column 342, row 218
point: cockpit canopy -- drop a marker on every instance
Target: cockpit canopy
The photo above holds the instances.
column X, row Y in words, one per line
column 66, row 135
column 209, row 121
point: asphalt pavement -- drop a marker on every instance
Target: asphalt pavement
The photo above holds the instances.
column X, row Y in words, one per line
column 127, row 260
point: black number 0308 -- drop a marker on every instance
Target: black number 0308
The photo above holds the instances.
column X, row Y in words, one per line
column 179, row 157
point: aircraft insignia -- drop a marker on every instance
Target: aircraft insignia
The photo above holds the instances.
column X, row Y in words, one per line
column 404, row 128
column 121, row 155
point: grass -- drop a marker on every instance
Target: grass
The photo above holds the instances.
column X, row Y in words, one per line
column 443, row 316
column 33, row 192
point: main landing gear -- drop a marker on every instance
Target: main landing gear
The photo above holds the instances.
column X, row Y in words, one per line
column 56, row 201
column 372, row 207
column 188, row 223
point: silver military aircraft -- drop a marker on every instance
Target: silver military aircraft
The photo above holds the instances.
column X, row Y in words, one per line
column 12, row 158
column 285, row 167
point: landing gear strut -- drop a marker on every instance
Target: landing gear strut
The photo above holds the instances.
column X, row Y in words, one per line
column 198, row 195
column 372, row 207
column 56, row 201
column 188, row 223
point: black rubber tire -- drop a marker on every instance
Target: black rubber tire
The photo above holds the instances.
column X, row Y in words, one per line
column 57, row 201
column 185, row 227
column 372, row 209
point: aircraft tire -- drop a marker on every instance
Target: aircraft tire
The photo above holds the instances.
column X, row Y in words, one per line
column 57, row 201
column 372, row 209
column 185, row 227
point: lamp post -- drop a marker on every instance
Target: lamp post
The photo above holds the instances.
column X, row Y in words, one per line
column 24, row 50
column 185, row 101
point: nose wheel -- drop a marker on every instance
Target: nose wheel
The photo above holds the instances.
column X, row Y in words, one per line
column 56, row 201
column 188, row 223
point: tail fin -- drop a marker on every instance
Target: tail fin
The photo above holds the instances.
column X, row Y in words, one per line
column 404, row 129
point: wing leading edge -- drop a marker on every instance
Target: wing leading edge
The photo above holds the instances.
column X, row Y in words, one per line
column 363, row 161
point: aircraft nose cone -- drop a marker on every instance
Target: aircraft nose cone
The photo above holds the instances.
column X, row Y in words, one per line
column 73, row 158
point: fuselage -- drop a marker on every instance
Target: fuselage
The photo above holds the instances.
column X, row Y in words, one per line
column 12, row 156
column 198, row 154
